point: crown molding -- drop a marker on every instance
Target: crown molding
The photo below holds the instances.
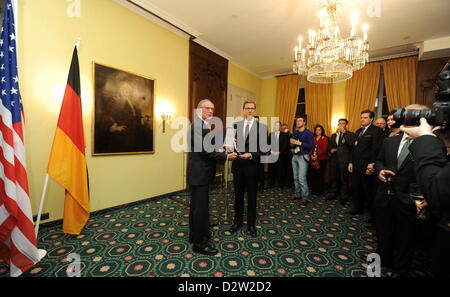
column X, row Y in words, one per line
column 159, row 17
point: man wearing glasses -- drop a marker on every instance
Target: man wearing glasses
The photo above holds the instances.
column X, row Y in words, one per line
column 249, row 137
column 200, row 174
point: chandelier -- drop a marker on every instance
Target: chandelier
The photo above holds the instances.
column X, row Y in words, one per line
column 327, row 57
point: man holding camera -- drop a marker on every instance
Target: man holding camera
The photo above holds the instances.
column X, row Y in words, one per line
column 394, row 210
column 432, row 167
column 433, row 173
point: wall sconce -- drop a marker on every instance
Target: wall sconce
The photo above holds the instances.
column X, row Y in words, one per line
column 165, row 116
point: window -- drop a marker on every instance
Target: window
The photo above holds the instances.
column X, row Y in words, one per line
column 381, row 106
column 301, row 106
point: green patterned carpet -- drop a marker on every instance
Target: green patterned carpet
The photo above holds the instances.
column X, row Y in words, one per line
column 150, row 238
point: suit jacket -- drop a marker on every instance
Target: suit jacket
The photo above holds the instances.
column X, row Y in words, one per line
column 255, row 144
column 433, row 173
column 366, row 147
column 344, row 147
column 404, row 175
column 282, row 143
column 201, row 162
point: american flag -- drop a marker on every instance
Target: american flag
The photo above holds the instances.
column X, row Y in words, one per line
column 18, row 247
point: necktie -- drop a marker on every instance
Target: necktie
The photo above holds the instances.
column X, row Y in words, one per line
column 339, row 139
column 362, row 132
column 404, row 152
column 247, row 129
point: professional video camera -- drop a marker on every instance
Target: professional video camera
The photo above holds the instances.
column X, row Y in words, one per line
column 439, row 115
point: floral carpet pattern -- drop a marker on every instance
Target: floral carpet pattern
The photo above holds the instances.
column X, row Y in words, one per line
column 150, row 238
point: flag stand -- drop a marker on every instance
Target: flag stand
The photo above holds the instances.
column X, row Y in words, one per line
column 41, row 252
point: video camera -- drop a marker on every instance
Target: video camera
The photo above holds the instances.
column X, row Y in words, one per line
column 439, row 115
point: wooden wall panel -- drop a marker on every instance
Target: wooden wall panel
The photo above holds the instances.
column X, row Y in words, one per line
column 208, row 79
column 427, row 75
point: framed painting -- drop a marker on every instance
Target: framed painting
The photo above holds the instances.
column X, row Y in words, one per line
column 123, row 112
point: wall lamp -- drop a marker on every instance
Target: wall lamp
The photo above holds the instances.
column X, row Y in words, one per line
column 165, row 116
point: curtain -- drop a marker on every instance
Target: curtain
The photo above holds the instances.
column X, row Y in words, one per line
column 361, row 92
column 319, row 99
column 287, row 97
column 400, row 76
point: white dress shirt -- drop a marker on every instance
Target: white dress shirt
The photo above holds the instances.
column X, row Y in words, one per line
column 405, row 138
column 248, row 122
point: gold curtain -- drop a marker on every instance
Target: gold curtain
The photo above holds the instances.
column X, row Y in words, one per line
column 319, row 99
column 287, row 97
column 361, row 93
column 400, row 77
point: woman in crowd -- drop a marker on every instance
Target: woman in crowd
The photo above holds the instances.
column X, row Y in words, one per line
column 390, row 123
column 318, row 160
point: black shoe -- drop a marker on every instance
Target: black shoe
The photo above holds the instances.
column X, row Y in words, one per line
column 303, row 201
column 330, row 197
column 235, row 227
column 205, row 250
column 252, row 231
column 355, row 211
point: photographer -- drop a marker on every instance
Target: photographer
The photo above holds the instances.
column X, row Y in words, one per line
column 432, row 167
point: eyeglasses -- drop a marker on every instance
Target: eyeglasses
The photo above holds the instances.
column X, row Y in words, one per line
column 249, row 108
column 209, row 108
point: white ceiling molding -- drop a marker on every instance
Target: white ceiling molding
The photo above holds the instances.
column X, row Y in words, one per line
column 434, row 48
column 213, row 48
column 173, row 26
column 396, row 56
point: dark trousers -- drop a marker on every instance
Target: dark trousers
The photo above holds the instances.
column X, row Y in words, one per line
column 363, row 189
column 441, row 261
column 261, row 175
column 199, row 215
column 317, row 178
column 340, row 178
column 395, row 222
column 278, row 172
column 244, row 184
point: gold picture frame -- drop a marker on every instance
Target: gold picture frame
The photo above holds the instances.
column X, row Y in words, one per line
column 123, row 112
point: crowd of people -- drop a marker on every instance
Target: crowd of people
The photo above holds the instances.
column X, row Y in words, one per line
column 371, row 167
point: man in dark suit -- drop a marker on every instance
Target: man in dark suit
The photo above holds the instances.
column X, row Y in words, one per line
column 432, row 167
column 251, row 142
column 340, row 148
column 395, row 213
column 382, row 124
column 200, row 174
column 280, row 147
column 364, row 153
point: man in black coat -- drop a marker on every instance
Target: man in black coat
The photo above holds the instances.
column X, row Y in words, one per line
column 364, row 153
column 432, row 168
column 395, row 213
column 340, row 147
column 251, row 143
column 280, row 147
column 200, row 174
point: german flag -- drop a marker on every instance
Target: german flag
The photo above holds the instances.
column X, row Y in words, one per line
column 67, row 164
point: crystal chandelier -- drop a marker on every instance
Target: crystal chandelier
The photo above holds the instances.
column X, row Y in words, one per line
column 327, row 57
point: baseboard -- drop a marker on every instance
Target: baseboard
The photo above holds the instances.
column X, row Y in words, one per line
column 114, row 208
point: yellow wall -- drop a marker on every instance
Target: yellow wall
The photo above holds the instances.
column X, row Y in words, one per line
column 115, row 36
column 244, row 79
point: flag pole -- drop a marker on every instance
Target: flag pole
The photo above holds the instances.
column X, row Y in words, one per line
column 41, row 252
